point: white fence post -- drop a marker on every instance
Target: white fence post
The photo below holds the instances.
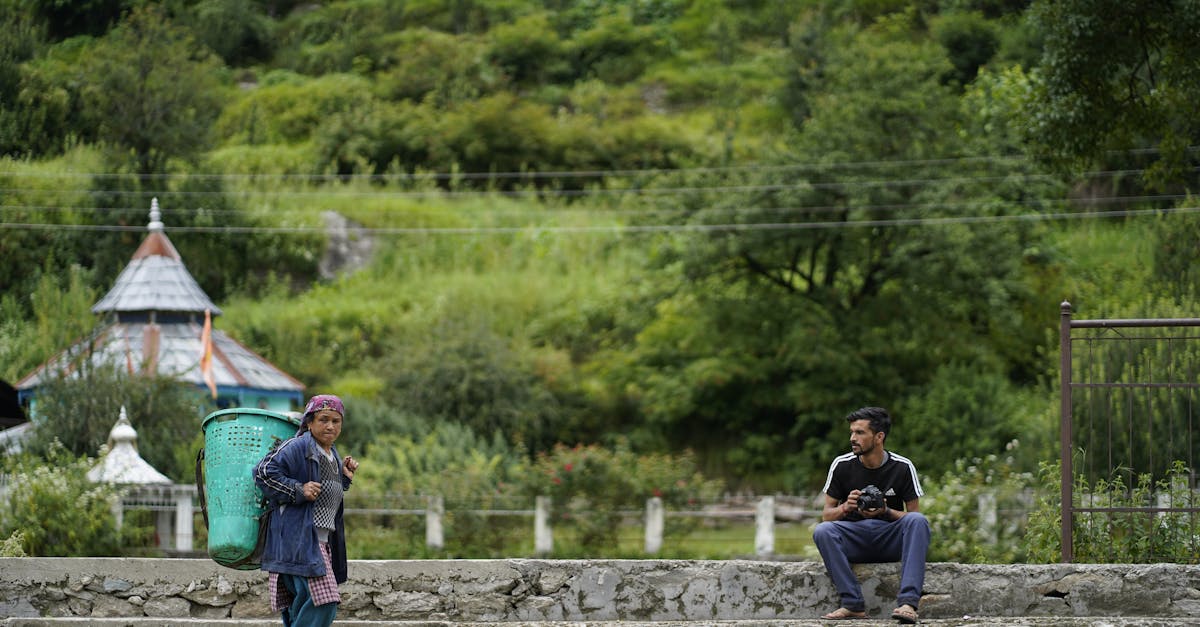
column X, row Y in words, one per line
column 162, row 528
column 435, row 507
column 117, row 505
column 543, row 538
column 988, row 517
column 183, row 518
column 654, row 525
column 764, row 527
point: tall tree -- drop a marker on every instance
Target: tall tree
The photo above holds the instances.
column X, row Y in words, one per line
column 843, row 282
column 1115, row 75
column 156, row 91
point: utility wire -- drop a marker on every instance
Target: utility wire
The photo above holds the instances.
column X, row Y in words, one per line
column 650, row 228
column 536, row 174
column 639, row 191
column 579, row 173
column 628, row 211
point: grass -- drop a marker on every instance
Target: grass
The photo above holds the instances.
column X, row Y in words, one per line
column 729, row 540
column 716, row 540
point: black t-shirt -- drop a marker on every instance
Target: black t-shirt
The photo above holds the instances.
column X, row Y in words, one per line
column 896, row 477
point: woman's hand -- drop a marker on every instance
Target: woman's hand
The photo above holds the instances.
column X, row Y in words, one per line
column 349, row 465
column 311, row 490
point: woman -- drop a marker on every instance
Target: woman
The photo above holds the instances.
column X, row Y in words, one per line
column 305, row 550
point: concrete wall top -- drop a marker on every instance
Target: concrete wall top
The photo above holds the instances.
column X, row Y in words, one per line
column 530, row 590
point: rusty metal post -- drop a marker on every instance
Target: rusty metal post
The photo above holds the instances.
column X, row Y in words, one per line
column 1068, row 505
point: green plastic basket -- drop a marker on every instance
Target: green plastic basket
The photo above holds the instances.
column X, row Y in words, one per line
column 235, row 440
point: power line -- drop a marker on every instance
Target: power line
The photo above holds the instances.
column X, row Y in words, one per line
column 639, row 191
column 650, row 228
column 631, row 211
column 535, row 174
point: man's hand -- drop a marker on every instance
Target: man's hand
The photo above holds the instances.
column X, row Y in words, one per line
column 883, row 513
column 851, row 503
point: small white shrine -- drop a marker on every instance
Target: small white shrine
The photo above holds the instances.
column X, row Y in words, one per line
column 121, row 463
column 144, row 487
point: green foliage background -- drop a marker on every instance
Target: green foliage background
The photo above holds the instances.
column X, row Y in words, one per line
column 701, row 229
column 54, row 510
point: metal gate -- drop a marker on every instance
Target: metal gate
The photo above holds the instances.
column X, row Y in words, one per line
column 1129, row 433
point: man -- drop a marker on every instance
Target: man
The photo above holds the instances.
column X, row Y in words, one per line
column 894, row 530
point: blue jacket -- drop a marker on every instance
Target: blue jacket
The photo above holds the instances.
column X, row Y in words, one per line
column 291, row 546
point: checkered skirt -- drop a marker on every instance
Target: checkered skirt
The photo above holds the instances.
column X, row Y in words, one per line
column 323, row 589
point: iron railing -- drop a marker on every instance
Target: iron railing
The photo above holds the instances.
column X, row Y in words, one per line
column 1130, row 390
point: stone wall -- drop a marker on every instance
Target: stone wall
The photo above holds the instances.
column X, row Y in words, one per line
column 593, row 590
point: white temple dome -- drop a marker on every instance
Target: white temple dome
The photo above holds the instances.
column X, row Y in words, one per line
column 122, row 463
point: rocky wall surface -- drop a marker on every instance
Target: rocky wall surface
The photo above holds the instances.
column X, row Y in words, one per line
column 525, row 590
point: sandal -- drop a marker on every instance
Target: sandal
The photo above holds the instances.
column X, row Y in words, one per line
column 842, row 613
column 905, row 614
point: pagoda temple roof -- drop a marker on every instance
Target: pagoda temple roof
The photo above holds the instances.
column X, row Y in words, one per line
column 155, row 279
column 170, row 349
column 157, row 327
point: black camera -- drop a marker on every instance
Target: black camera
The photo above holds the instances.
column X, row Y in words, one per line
column 870, row 498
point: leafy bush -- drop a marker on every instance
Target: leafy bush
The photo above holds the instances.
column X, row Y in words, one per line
column 615, row 49
column 528, row 50
column 263, row 159
column 53, row 510
column 1127, row 537
column 978, row 509
column 235, row 30
column 370, row 138
column 288, row 112
column 976, row 413
column 465, row 373
column 463, row 16
column 349, row 331
column 450, row 461
column 61, row 314
column 970, row 41
column 592, row 488
column 78, row 411
column 14, row 545
column 430, row 64
column 336, row 37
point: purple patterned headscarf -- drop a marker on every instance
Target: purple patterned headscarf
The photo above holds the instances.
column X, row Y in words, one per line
column 316, row 404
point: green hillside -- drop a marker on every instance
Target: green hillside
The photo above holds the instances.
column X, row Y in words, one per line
column 675, row 226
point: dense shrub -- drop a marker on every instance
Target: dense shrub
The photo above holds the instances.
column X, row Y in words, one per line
column 80, row 409
column 528, row 50
column 592, row 488
column 60, row 315
column 466, row 374
column 235, row 30
column 336, row 37
column 471, row 474
column 970, row 41
column 978, row 510
column 436, row 66
column 53, row 510
column 972, row 413
column 615, row 49
column 288, row 111
column 1117, row 537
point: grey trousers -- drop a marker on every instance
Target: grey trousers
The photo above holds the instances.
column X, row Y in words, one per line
column 842, row 543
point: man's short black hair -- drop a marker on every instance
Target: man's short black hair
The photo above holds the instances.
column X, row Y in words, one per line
column 881, row 421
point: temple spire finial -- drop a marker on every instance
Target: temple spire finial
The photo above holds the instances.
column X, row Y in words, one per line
column 155, row 216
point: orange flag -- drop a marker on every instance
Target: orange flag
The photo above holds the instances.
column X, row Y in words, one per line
column 206, row 355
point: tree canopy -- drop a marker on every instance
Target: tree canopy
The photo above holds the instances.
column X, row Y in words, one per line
column 674, row 226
